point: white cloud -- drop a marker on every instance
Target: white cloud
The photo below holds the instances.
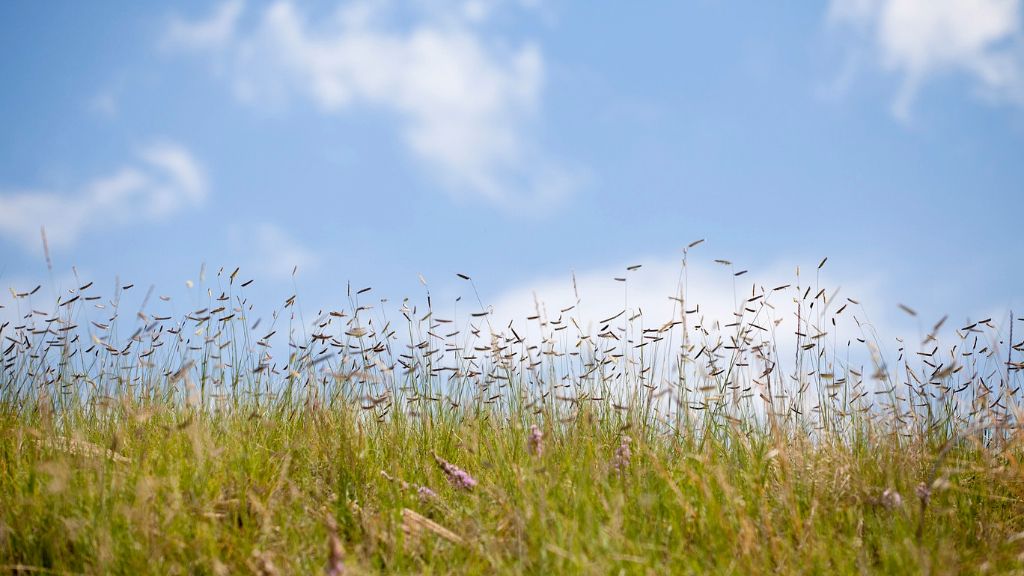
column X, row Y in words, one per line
column 918, row 39
column 166, row 181
column 463, row 102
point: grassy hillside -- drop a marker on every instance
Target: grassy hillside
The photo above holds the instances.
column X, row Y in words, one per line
column 173, row 445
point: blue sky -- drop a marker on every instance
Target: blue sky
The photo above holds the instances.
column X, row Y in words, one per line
column 517, row 141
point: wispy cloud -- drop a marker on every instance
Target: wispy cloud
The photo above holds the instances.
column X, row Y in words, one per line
column 104, row 104
column 165, row 180
column 272, row 251
column 919, row 39
column 215, row 32
column 464, row 102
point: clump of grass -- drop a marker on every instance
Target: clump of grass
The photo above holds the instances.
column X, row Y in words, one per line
column 182, row 445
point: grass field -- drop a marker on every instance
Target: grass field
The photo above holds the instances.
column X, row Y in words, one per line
column 415, row 444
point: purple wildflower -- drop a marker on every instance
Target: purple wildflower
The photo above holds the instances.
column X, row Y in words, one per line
column 426, row 493
column 536, row 441
column 457, row 476
column 622, row 455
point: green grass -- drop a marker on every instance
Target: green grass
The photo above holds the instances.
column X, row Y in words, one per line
column 204, row 457
column 202, row 493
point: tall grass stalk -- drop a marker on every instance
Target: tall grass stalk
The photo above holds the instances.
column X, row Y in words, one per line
column 135, row 442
